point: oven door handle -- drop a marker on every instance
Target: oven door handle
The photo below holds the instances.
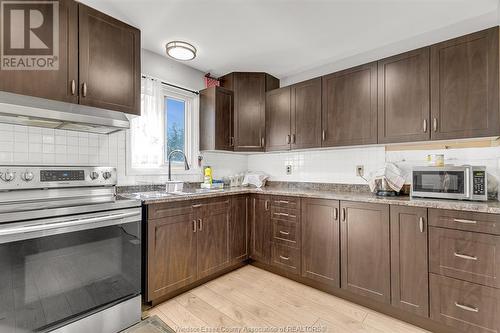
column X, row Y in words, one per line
column 70, row 223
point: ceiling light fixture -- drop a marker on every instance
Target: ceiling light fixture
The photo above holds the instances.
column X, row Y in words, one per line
column 181, row 50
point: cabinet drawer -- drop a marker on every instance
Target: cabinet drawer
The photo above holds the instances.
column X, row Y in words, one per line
column 285, row 202
column 169, row 209
column 469, row 307
column 470, row 221
column 286, row 233
column 286, row 257
column 465, row 255
column 284, row 214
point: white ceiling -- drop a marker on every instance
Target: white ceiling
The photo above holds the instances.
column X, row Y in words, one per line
column 286, row 37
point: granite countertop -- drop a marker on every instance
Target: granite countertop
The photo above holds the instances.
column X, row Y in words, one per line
column 484, row 207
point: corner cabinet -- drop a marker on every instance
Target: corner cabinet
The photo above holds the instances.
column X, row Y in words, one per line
column 109, row 65
column 349, row 114
column 249, row 90
column 216, row 119
column 99, row 63
column 365, row 250
column 464, row 86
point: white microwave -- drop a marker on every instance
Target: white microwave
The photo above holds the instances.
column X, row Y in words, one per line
column 450, row 182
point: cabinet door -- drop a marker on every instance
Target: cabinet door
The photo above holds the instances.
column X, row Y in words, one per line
column 409, row 261
column 306, row 114
column 51, row 84
column 238, row 229
column 260, row 238
column 249, row 111
column 110, row 66
column 350, row 107
column 320, row 241
column 171, row 254
column 278, row 119
column 216, row 119
column 403, row 97
column 213, row 237
column 365, row 250
column 464, row 86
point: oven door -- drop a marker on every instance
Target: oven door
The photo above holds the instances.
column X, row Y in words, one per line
column 444, row 183
column 55, row 271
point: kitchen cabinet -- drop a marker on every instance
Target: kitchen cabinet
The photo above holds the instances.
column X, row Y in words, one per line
column 404, row 97
column 109, row 62
column 249, row 90
column 464, row 86
column 409, row 261
column 321, row 241
column 278, row 135
column 349, row 106
column 216, row 119
column 213, row 236
column 260, row 235
column 365, row 250
column 172, row 249
column 60, row 84
column 238, row 229
column 306, row 114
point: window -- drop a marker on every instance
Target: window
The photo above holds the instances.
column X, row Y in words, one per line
column 166, row 124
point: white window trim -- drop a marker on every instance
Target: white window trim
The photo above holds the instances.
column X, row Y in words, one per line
column 191, row 134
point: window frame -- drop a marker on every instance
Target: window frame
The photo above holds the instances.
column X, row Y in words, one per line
column 191, row 144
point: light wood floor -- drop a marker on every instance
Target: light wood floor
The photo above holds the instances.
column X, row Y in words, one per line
column 258, row 301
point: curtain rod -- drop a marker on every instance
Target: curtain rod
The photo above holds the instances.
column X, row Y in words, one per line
column 173, row 85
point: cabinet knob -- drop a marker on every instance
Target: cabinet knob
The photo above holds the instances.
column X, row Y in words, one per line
column 194, row 225
column 425, row 126
column 343, row 215
column 421, row 224
column 262, row 142
column 435, row 124
column 293, row 138
column 335, row 214
column 200, row 225
column 288, row 139
column 73, row 87
column 266, row 204
column 323, row 135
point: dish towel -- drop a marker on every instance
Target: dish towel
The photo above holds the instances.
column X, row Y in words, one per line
column 391, row 173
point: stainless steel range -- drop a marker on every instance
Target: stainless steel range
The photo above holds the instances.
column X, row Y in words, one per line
column 70, row 251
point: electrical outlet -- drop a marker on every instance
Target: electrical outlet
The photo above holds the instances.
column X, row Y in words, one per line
column 360, row 170
column 288, row 169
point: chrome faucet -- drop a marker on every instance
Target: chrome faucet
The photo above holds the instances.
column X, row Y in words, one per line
column 186, row 165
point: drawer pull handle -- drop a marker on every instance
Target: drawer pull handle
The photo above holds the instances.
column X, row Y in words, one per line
column 464, row 256
column 196, row 206
column 282, row 202
column 284, row 232
column 465, row 221
column 281, row 214
column 466, row 308
column 285, row 258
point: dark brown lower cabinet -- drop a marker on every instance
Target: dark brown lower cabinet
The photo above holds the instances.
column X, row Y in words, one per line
column 238, row 229
column 321, row 241
column 213, row 236
column 409, row 260
column 172, row 251
column 465, row 306
column 260, row 234
column 365, row 250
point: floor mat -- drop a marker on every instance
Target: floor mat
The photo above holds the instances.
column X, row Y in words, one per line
column 151, row 324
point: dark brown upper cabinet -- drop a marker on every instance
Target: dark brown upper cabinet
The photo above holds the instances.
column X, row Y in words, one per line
column 409, row 259
column 249, row 107
column 321, row 241
column 278, row 135
column 349, row 111
column 464, row 86
column 216, row 119
column 306, row 114
column 404, row 97
column 60, row 84
column 110, row 67
column 365, row 250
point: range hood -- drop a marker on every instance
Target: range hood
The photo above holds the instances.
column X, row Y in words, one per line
column 33, row 111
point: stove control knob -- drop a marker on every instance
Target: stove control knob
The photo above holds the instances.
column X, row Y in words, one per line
column 27, row 176
column 94, row 175
column 7, row 176
column 106, row 174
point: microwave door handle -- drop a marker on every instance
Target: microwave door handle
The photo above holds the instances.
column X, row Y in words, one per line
column 67, row 224
column 467, row 186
